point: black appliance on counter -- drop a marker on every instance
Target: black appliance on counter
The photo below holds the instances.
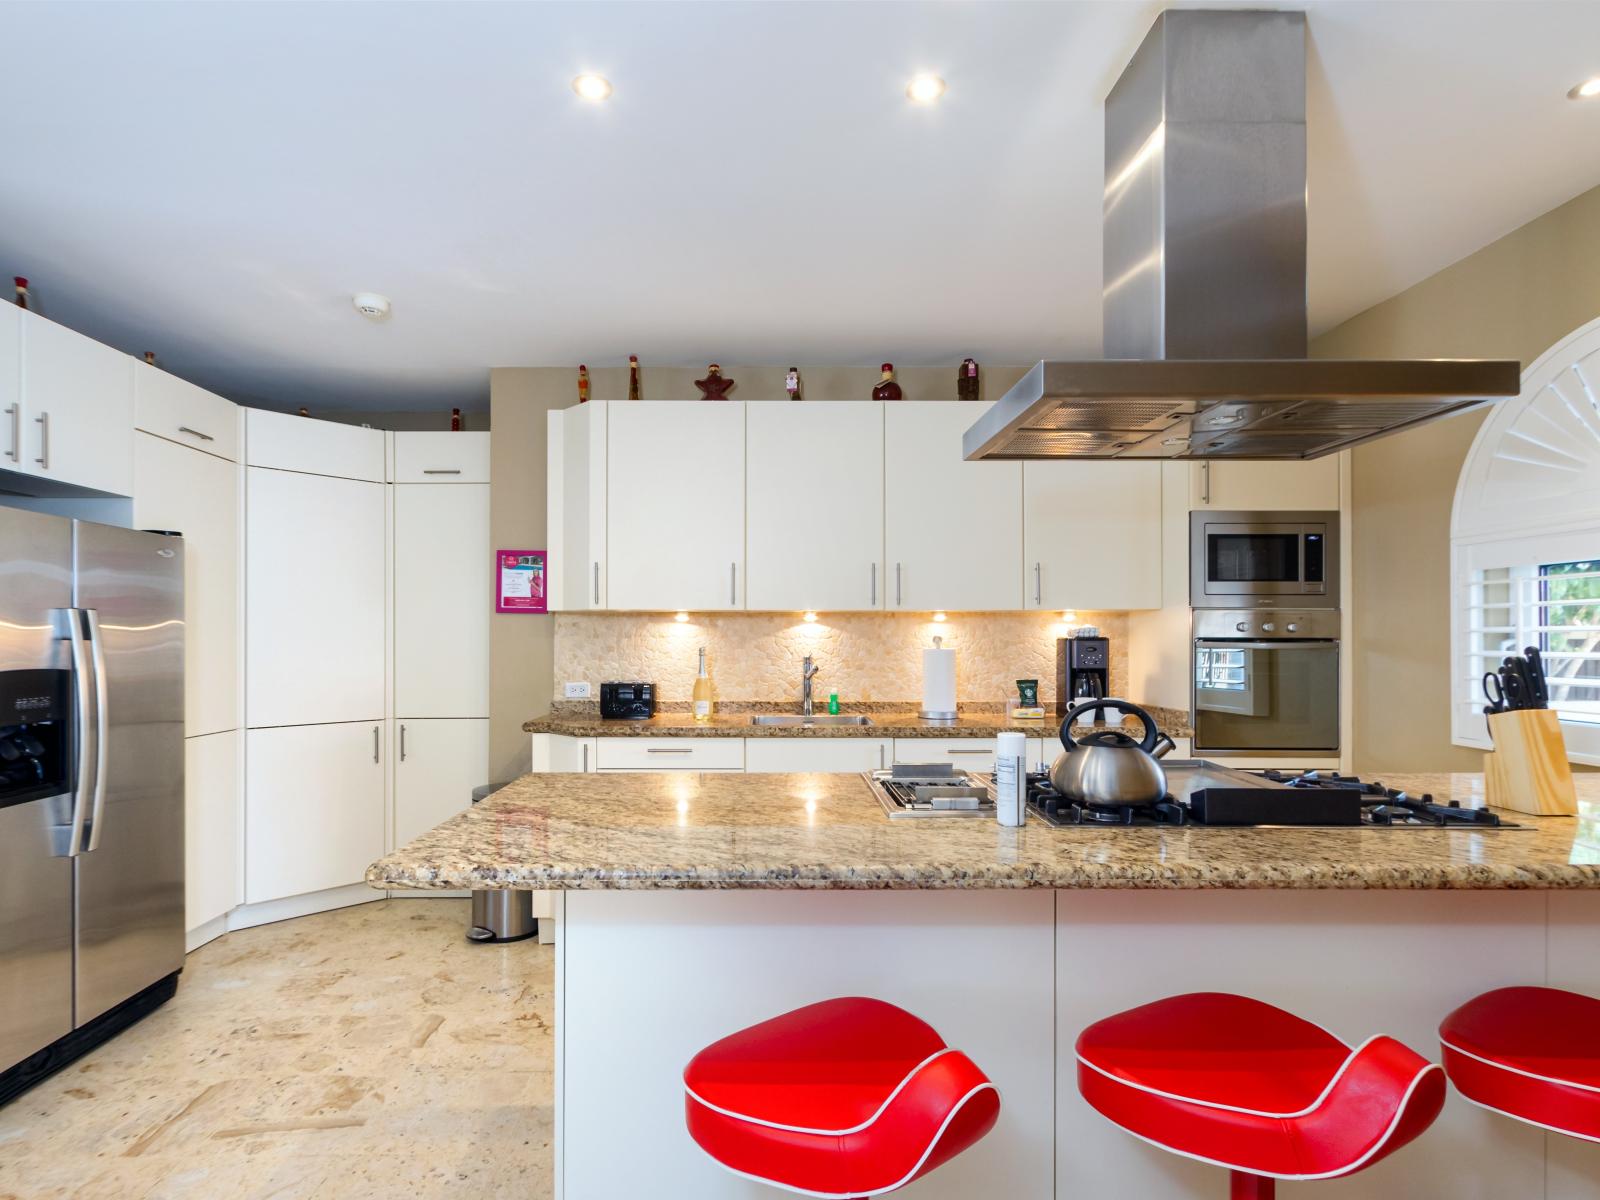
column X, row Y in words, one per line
column 1083, row 672
column 627, row 701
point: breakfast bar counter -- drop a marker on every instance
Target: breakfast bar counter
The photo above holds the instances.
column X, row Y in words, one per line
column 720, row 831
column 690, row 905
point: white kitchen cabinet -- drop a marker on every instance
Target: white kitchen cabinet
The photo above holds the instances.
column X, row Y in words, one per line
column 457, row 457
column 317, row 614
column 437, row 764
column 1091, row 534
column 443, row 595
column 292, row 443
column 211, row 827
column 175, row 409
column 1265, row 486
column 576, row 495
column 76, row 408
column 10, row 387
column 314, row 809
column 675, row 506
column 669, row 754
column 952, row 529
column 197, row 494
column 968, row 754
column 814, row 505
column 816, row 754
column 557, row 752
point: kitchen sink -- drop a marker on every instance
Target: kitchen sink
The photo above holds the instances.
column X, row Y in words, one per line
column 799, row 720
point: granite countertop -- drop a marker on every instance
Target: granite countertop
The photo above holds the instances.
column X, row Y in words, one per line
column 691, row 830
column 887, row 721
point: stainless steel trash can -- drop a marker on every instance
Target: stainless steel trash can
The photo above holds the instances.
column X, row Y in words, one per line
column 498, row 914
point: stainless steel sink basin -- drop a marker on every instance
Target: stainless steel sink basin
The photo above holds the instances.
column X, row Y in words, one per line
column 820, row 720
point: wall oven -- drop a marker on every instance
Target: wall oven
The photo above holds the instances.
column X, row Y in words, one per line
column 1266, row 682
column 1264, row 559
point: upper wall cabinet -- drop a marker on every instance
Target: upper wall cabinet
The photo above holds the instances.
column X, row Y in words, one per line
column 10, row 387
column 814, row 504
column 1265, row 486
column 687, row 552
column 315, row 447
column 1091, row 534
column 172, row 408
column 952, row 529
column 72, row 422
column 576, row 481
column 441, row 458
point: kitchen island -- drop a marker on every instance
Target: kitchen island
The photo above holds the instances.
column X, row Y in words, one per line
column 695, row 904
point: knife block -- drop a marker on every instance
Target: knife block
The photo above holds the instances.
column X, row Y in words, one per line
column 1527, row 771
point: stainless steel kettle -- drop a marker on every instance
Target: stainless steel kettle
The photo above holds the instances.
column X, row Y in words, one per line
column 1110, row 766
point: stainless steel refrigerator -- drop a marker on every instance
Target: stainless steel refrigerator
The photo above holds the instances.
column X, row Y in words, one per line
column 91, row 785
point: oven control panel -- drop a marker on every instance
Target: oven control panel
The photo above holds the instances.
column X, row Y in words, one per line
column 1312, row 624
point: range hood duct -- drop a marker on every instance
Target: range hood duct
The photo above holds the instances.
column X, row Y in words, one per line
column 1204, row 297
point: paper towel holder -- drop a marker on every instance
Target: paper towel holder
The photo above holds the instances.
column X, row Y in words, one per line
column 940, row 708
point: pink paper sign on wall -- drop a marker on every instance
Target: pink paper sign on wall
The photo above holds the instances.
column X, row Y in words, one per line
column 520, row 579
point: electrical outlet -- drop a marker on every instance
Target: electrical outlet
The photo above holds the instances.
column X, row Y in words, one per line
column 577, row 691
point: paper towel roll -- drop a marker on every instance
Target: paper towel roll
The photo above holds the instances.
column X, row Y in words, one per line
column 938, row 685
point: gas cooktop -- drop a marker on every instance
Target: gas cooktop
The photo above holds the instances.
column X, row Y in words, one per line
column 1200, row 793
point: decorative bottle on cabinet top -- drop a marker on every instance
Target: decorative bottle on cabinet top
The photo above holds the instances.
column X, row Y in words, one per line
column 702, row 691
column 633, row 377
column 583, row 384
column 967, row 379
column 887, row 388
column 791, row 383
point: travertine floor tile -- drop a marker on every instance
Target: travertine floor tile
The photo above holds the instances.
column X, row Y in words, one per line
column 368, row 1052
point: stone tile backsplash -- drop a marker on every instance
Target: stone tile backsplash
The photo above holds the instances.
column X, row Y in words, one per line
column 864, row 656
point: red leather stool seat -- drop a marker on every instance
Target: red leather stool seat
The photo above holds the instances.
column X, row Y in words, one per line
column 849, row 1097
column 1532, row 1053
column 1247, row 1086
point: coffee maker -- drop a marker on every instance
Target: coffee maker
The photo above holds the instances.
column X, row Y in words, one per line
column 1083, row 672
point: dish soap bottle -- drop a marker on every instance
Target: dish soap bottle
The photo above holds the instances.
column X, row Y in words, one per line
column 702, row 691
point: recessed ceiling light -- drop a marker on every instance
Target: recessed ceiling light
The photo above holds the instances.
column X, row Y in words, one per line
column 1587, row 90
column 925, row 89
column 371, row 305
column 592, row 87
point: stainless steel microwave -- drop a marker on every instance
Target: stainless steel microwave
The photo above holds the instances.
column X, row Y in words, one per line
column 1263, row 559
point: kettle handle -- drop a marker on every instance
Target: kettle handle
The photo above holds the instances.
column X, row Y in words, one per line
column 1151, row 733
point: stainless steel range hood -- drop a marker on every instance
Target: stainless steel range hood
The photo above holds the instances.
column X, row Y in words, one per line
column 1205, row 277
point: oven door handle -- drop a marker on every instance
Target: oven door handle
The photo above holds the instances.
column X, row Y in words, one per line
column 1282, row 644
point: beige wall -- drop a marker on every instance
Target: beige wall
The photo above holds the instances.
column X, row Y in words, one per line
column 1512, row 299
column 521, row 670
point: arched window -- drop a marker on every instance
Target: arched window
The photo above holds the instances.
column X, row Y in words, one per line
column 1525, row 545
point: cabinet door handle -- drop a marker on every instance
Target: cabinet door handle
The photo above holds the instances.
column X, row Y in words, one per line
column 204, row 437
column 597, row 585
column 1205, row 482
column 897, row 593
column 874, row 600
column 1038, row 584
column 880, row 756
column 44, row 440
column 949, row 751
column 441, row 470
column 667, row 750
column 733, row 583
column 15, row 413
column 374, row 743
column 586, row 758
column 402, row 743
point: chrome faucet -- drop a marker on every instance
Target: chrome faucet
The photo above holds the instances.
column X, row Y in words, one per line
column 808, row 671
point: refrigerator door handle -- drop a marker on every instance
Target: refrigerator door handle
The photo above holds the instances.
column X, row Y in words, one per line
column 84, row 772
column 102, row 722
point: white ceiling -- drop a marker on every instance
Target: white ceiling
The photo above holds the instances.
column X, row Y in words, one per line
column 214, row 180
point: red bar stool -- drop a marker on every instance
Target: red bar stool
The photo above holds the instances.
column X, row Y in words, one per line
column 1246, row 1086
column 849, row 1097
column 1532, row 1053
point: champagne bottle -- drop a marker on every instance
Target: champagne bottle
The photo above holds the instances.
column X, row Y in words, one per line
column 887, row 388
column 702, row 691
column 633, row 377
column 583, row 384
column 455, row 420
column 21, row 285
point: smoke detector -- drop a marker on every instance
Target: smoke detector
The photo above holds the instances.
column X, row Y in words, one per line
column 371, row 305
